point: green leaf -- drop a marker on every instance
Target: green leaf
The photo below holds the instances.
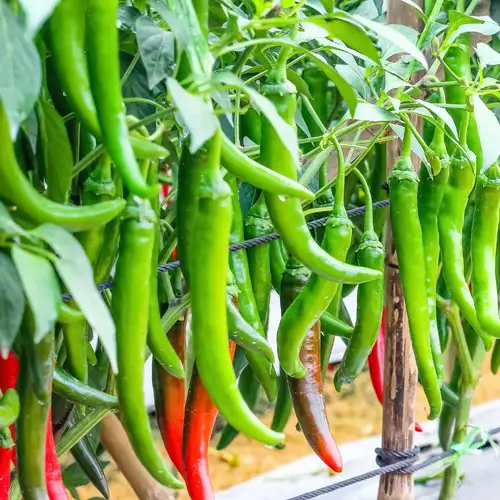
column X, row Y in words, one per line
column 76, row 272
column 353, row 78
column 56, row 151
column 21, row 75
column 41, row 288
column 127, row 17
column 460, row 24
column 349, row 33
column 395, row 38
column 12, row 303
column 435, row 30
column 37, row 13
column 487, row 55
column 489, row 132
column 157, row 50
column 371, row 113
column 441, row 113
column 286, row 132
column 417, row 8
column 194, row 113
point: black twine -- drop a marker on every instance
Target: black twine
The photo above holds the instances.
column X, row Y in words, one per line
column 402, row 462
column 260, row 240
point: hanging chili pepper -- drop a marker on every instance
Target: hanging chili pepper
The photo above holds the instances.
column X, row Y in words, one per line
column 370, row 300
column 73, row 390
column 157, row 341
column 247, row 305
column 407, row 235
column 451, row 222
column 307, row 308
column 199, row 420
column 240, row 165
column 249, row 386
column 199, row 206
column 31, row 426
column 87, row 459
column 430, row 195
column 104, row 73
column 170, row 397
column 331, row 325
column 250, row 125
column 287, row 215
column 484, row 248
column 376, row 366
column 307, row 392
column 16, row 188
column 129, row 307
column 53, row 476
column 278, row 261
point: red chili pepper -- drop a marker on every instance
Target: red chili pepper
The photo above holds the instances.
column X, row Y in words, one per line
column 53, row 476
column 9, row 370
column 199, row 420
column 376, row 366
column 170, row 398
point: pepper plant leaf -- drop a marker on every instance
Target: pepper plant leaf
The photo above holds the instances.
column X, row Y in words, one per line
column 76, row 273
column 12, row 303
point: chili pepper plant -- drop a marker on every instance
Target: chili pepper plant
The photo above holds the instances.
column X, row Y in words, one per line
column 255, row 117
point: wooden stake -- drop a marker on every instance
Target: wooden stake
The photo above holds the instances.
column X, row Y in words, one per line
column 400, row 373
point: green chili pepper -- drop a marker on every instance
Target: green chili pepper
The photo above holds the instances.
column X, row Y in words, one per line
column 250, row 125
column 277, row 263
column 331, row 325
column 495, row 357
column 68, row 314
column 73, row 390
column 208, row 226
column 451, row 222
column 407, row 235
column 377, row 180
column 370, row 300
column 130, row 307
column 484, row 248
column 287, row 215
column 87, row 459
column 104, row 73
column 448, row 414
column 263, row 369
column 158, row 342
column 34, row 393
column 240, row 165
column 17, row 188
column 316, row 296
column 244, row 335
column 249, row 387
column 257, row 224
column 430, row 195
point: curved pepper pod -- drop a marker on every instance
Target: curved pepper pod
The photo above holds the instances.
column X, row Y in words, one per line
column 247, row 305
column 451, row 222
column 170, row 395
column 407, row 236
column 307, row 397
column 209, row 322
column 330, row 325
column 74, row 390
column 53, row 476
column 286, row 214
column 484, row 249
column 130, row 310
column 313, row 300
column 16, row 188
column 199, row 420
column 370, row 303
column 104, row 73
column 240, row 165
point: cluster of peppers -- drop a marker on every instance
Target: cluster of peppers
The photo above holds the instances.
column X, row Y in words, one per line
column 205, row 324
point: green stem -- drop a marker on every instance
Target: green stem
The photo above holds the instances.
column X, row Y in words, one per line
column 340, row 187
column 416, row 134
column 368, row 204
column 406, row 146
column 314, row 115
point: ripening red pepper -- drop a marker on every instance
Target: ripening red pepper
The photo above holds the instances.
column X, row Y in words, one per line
column 53, row 476
column 170, row 395
column 199, row 420
column 376, row 366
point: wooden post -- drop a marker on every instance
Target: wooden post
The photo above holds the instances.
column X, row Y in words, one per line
column 400, row 373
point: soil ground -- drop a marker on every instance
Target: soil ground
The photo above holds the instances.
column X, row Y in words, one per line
column 353, row 415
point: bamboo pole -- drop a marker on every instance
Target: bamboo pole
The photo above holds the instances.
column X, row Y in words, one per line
column 400, row 373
